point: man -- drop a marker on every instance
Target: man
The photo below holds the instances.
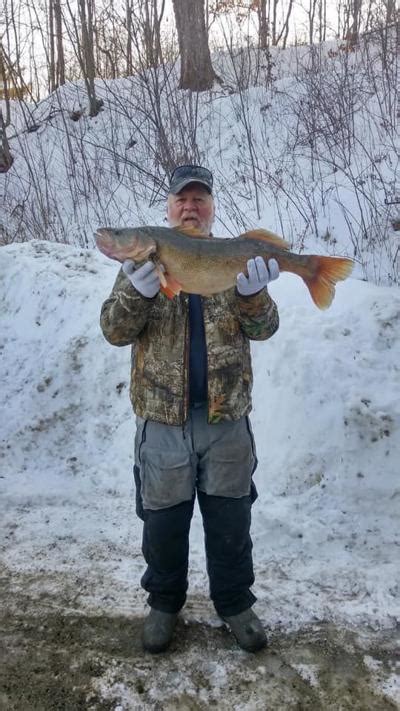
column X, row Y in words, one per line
column 191, row 392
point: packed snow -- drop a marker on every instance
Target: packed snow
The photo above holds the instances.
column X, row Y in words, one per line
column 326, row 420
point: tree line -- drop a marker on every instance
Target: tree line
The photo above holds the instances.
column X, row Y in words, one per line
column 44, row 44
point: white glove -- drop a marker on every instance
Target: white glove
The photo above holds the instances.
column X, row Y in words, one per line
column 145, row 279
column 259, row 276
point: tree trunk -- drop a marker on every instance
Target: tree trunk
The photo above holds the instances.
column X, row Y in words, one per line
column 274, row 22
column 129, row 62
column 60, row 64
column 391, row 12
column 311, row 20
column 283, row 35
column 6, row 159
column 262, row 24
column 197, row 72
column 148, row 36
column 52, row 62
column 355, row 28
column 5, row 94
column 87, row 45
column 322, row 20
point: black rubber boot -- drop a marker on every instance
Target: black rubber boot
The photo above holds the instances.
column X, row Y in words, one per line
column 158, row 630
column 247, row 629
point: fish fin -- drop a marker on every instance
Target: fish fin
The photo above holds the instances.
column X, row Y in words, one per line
column 327, row 271
column 170, row 286
column 160, row 272
column 191, row 231
column 266, row 236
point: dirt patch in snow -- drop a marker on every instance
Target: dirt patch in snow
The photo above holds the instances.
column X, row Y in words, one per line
column 53, row 658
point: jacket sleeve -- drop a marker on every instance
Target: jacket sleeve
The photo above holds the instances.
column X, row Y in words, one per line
column 258, row 315
column 125, row 313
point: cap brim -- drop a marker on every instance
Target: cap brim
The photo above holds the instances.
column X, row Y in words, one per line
column 175, row 189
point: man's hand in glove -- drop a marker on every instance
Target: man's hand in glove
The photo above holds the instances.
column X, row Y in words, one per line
column 145, row 279
column 259, row 276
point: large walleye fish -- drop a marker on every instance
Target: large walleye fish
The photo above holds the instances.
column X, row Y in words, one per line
column 198, row 264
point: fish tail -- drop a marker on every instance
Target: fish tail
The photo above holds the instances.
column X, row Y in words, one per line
column 326, row 272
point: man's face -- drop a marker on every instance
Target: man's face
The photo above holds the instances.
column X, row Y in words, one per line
column 192, row 207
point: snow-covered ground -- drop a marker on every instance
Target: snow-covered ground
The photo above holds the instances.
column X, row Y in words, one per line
column 326, row 419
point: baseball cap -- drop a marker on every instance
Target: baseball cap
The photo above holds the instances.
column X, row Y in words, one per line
column 185, row 174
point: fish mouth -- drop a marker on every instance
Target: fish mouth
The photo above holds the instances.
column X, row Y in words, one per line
column 104, row 241
column 101, row 233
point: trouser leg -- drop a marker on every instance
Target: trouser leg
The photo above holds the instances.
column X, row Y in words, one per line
column 166, row 552
column 164, row 477
column 228, row 545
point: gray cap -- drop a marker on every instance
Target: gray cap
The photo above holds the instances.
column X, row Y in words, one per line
column 185, row 174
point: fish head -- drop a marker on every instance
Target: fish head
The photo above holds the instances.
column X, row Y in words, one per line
column 125, row 243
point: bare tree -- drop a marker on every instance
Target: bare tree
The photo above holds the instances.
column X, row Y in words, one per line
column 282, row 35
column 262, row 24
column 351, row 21
column 86, row 11
column 145, row 25
column 317, row 20
column 108, row 43
column 83, row 43
column 51, row 60
column 322, row 20
column 5, row 93
column 128, row 22
column 197, row 72
column 312, row 9
column 268, row 20
column 269, row 30
column 354, row 29
column 6, row 159
column 11, row 44
column 60, row 62
column 152, row 25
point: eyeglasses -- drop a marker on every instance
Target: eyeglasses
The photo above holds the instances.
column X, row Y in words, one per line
column 193, row 172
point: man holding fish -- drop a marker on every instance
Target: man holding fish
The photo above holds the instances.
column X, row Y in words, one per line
column 189, row 315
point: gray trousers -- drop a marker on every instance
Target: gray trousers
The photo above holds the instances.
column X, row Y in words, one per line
column 172, row 464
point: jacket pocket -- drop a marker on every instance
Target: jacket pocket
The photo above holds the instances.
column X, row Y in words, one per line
column 167, row 478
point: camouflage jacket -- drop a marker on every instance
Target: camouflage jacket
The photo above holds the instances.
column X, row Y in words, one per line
column 158, row 330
